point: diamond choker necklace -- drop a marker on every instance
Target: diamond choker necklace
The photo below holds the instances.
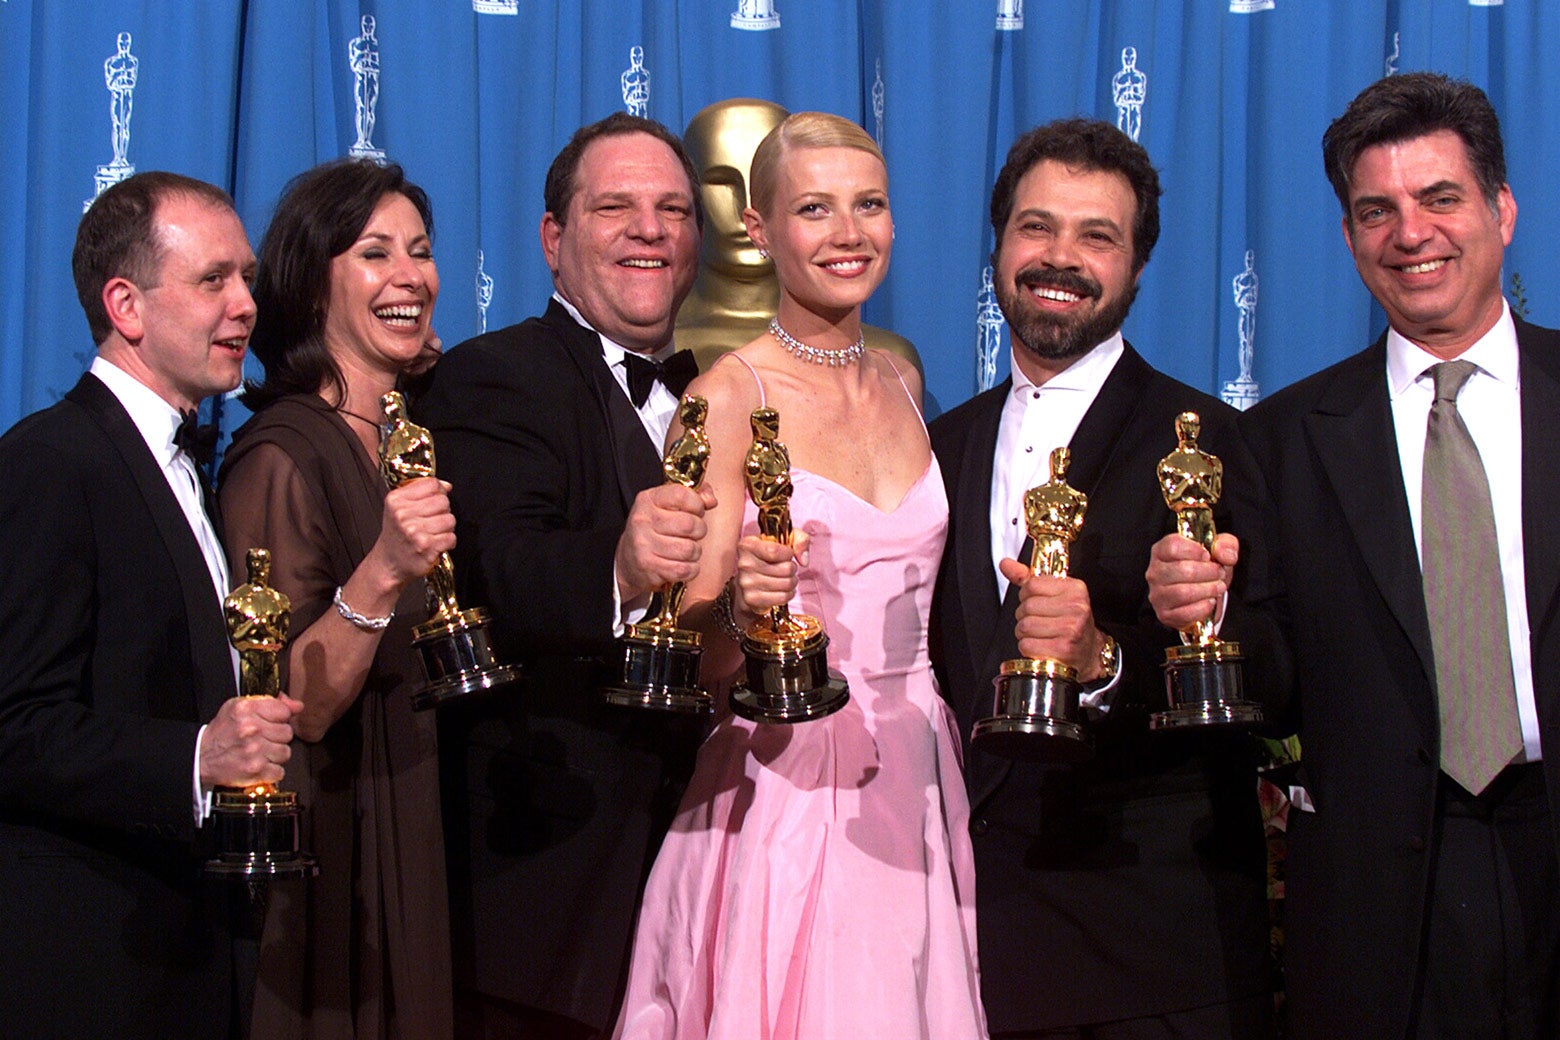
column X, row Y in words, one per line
column 818, row 356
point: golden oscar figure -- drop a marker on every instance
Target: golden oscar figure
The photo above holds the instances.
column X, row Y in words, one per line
column 788, row 677
column 1203, row 674
column 256, row 828
column 456, row 654
column 1035, row 711
column 660, row 661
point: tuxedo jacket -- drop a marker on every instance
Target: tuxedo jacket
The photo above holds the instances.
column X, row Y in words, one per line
column 113, row 650
column 1352, row 607
column 1132, row 885
column 555, row 801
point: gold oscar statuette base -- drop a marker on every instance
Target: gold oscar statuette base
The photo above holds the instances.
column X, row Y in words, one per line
column 788, row 676
column 1035, row 714
column 457, row 659
column 256, row 835
column 1203, row 686
column 660, row 670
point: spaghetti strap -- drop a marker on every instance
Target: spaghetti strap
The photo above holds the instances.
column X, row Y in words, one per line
column 762, row 403
column 908, row 395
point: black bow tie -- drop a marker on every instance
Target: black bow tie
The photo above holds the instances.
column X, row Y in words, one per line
column 675, row 373
column 197, row 441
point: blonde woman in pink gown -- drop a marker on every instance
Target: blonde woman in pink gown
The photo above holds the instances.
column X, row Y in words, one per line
column 818, row 882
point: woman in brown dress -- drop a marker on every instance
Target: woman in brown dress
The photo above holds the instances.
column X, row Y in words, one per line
column 346, row 287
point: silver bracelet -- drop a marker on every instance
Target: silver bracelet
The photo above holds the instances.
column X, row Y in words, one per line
column 360, row 621
column 725, row 617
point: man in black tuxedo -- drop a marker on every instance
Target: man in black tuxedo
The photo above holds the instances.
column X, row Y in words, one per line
column 113, row 647
column 551, row 433
column 1124, row 897
column 1423, row 856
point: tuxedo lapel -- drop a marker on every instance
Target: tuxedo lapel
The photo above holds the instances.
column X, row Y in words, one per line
column 210, row 660
column 1352, row 433
column 1540, row 374
column 1095, row 442
column 637, row 460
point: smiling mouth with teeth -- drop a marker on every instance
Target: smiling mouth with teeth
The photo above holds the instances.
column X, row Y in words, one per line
column 400, row 314
column 648, row 265
column 1424, row 268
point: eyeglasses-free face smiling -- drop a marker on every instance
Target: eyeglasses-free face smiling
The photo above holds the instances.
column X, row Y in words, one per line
column 382, row 291
column 831, row 231
column 194, row 324
column 1426, row 242
column 627, row 254
column 1064, row 275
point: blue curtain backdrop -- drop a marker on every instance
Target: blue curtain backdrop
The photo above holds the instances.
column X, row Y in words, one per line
column 474, row 97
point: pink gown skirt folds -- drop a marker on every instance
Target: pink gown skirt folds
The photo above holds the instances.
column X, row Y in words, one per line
column 818, row 881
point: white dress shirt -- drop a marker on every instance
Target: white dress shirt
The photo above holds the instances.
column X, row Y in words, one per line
column 1490, row 404
column 656, row 415
column 157, row 420
column 1036, row 419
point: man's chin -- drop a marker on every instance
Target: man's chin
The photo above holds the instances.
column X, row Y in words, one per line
column 1050, row 343
column 1053, row 340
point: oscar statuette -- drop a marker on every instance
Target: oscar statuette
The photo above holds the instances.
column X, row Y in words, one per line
column 255, row 829
column 660, row 661
column 1203, row 674
column 788, row 677
column 1035, row 712
column 456, row 654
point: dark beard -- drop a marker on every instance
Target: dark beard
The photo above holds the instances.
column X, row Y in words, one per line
column 1059, row 338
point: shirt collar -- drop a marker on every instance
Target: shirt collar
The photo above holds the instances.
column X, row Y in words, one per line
column 1495, row 353
column 155, row 418
column 1086, row 373
column 612, row 352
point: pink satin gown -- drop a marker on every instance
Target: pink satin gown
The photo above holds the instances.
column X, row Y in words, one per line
column 818, row 881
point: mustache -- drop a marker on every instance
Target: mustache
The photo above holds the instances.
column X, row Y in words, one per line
column 1066, row 281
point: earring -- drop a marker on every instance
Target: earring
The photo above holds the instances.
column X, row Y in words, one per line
column 763, row 254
